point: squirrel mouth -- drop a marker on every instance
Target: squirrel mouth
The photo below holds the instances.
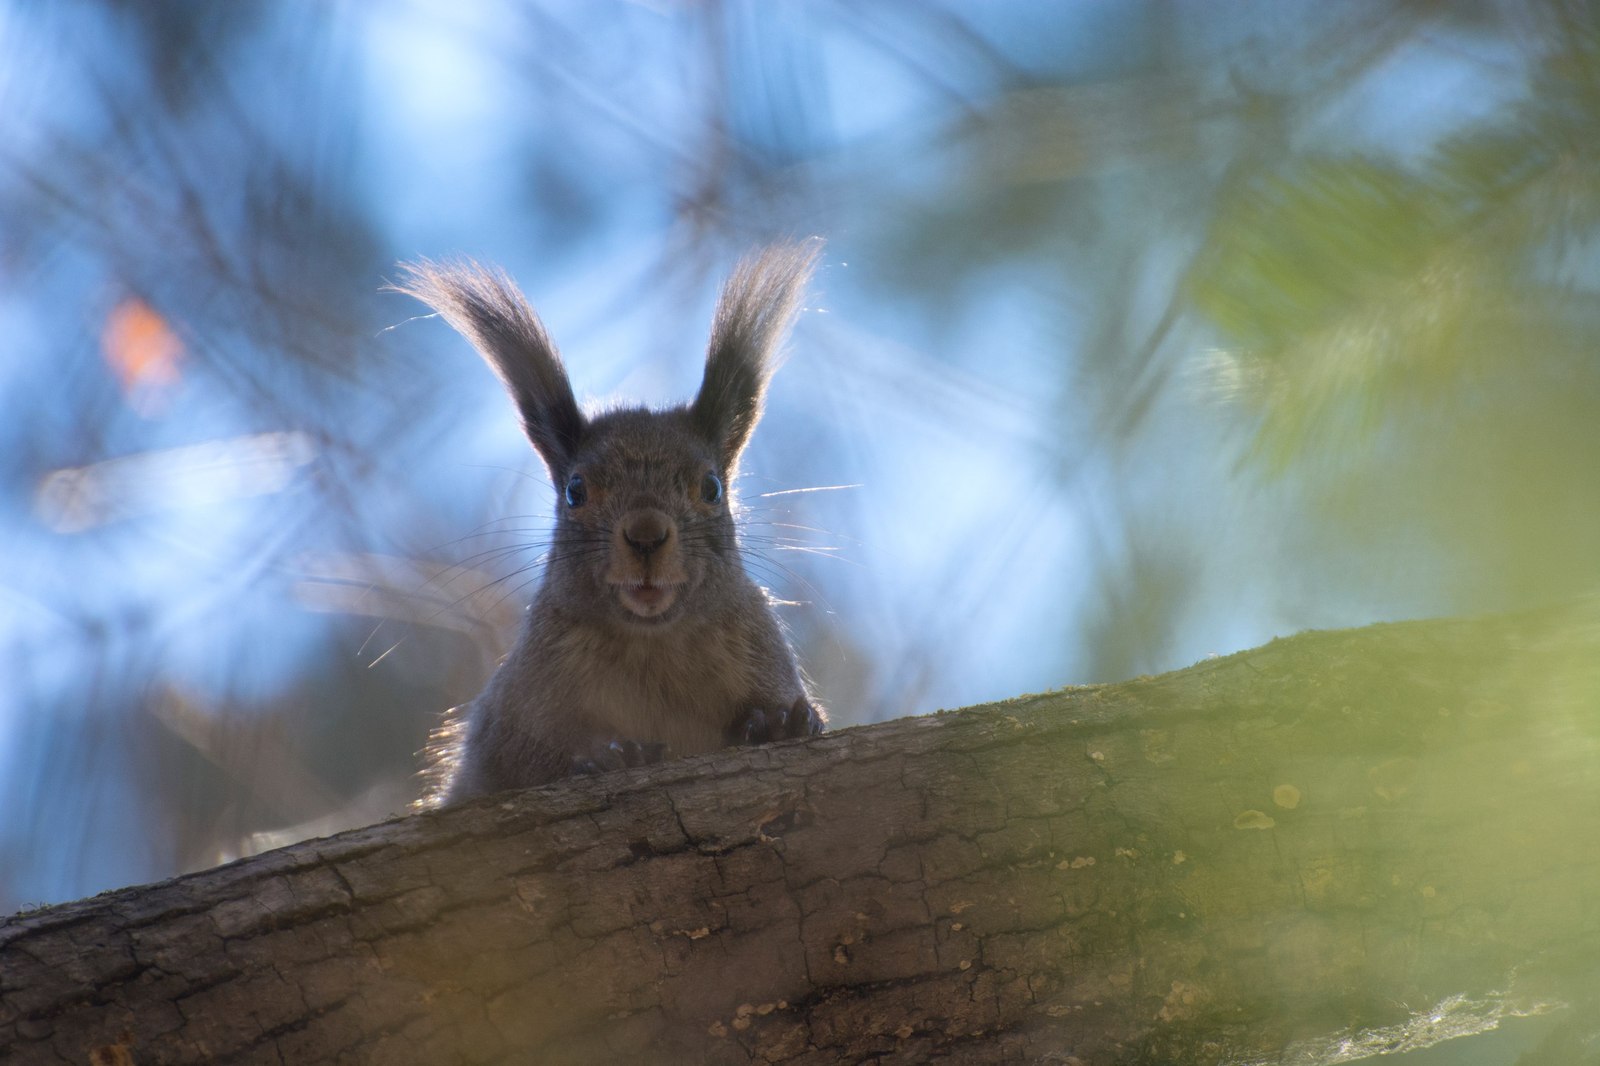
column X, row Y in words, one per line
column 646, row 599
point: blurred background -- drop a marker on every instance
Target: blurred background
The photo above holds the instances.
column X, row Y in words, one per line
column 1145, row 331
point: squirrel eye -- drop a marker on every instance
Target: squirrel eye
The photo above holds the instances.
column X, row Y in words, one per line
column 577, row 492
column 711, row 488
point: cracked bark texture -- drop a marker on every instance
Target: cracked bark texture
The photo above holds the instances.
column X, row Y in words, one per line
column 1263, row 858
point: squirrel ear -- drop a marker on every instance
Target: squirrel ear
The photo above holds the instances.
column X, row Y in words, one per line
column 753, row 315
column 485, row 306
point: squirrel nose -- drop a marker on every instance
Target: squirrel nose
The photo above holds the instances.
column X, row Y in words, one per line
column 645, row 531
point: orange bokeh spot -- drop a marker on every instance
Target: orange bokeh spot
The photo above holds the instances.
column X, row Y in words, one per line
column 143, row 351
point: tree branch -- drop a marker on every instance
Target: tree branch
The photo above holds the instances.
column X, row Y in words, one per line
column 1386, row 834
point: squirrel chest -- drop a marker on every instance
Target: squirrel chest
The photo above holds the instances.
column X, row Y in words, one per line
column 679, row 688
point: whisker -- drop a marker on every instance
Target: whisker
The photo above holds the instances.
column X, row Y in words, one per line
column 421, row 595
column 778, row 573
column 821, row 553
column 805, row 529
column 813, row 488
column 385, row 653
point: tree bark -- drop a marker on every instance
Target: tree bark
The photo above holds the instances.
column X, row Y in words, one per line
column 1366, row 838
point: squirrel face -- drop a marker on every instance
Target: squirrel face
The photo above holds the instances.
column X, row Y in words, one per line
column 644, row 533
column 643, row 519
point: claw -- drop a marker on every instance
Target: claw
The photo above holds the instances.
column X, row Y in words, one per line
column 758, row 725
column 811, row 723
column 620, row 754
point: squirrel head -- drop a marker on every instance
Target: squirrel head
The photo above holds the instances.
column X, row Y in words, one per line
column 644, row 523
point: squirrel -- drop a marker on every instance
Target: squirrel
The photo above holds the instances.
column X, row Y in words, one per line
column 646, row 638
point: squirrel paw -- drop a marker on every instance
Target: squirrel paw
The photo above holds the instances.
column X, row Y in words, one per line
column 617, row 755
column 761, row 724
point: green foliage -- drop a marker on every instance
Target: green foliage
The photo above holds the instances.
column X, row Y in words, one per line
column 1296, row 253
column 1350, row 291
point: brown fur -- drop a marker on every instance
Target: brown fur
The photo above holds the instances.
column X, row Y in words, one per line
column 646, row 636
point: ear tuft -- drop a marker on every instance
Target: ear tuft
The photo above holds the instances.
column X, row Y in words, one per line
column 753, row 316
column 485, row 306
